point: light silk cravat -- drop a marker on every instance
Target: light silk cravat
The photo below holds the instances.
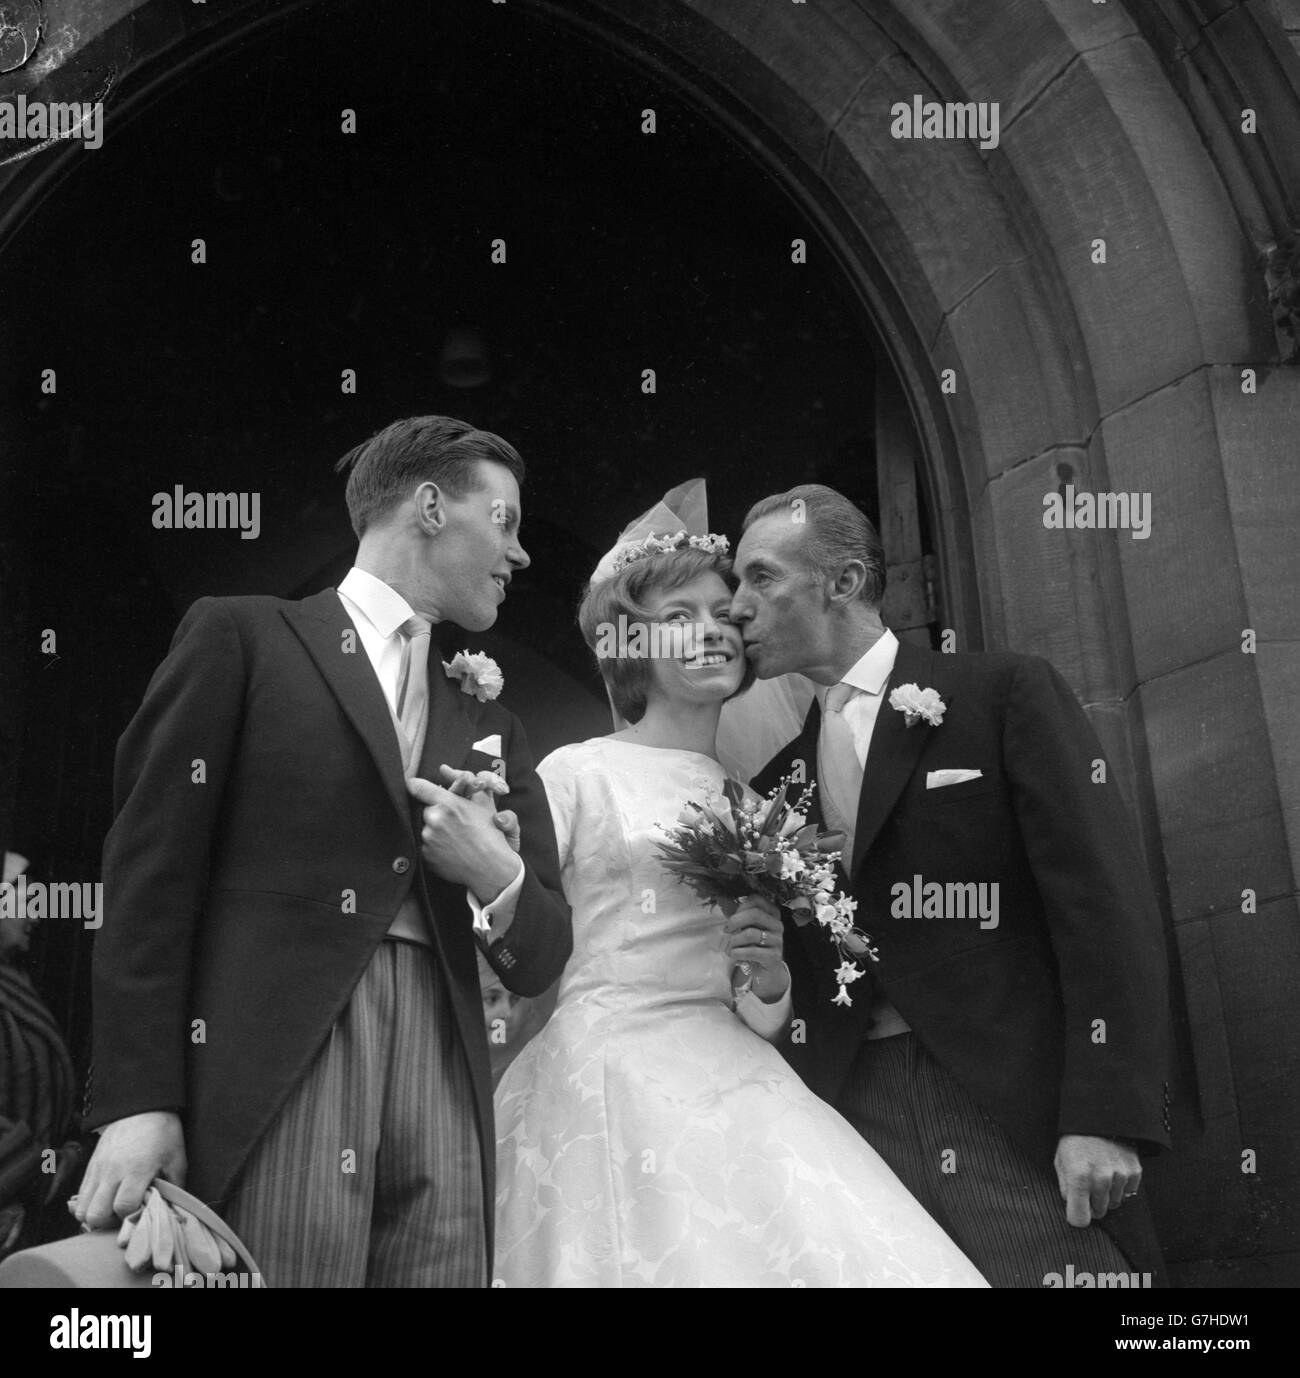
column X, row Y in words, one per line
column 842, row 771
column 841, row 781
column 412, row 715
column 413, row 687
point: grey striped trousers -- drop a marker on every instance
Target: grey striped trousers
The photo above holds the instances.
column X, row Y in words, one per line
column 1002, row 1207
column 370, row 1175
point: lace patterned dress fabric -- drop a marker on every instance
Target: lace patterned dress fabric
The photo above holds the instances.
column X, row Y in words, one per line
column 647, row 1137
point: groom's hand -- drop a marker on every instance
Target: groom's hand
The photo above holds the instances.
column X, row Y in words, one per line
column 467, row 782
column 1095, row 1175
column 131, row 1152
column 460, row 840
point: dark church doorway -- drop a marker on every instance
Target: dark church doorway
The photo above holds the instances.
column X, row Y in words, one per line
column 328, row 255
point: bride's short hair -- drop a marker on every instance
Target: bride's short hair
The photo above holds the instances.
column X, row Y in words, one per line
column 626, row 595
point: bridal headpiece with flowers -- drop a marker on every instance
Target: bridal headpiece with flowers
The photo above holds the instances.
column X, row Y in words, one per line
column 678, row 521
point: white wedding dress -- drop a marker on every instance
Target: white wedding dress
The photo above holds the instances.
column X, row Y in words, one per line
column 647, row 1137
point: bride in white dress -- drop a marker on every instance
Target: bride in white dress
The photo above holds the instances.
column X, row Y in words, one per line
column 650, row 1135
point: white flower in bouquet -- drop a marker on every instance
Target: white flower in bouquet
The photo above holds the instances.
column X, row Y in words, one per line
column 792, row 865
column 793, row 824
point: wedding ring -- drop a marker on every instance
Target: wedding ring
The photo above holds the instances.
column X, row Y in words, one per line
column 762, row 938
column 1129, row 1195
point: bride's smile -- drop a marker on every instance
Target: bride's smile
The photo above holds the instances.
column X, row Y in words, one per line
column 713, row 665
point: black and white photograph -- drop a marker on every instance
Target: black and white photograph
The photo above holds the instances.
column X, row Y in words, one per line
column 650, row 644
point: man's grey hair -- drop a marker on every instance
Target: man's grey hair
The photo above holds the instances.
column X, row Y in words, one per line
column 835, row 532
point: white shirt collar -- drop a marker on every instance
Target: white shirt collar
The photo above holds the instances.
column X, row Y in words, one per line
column 872, row 672
column 380, row 603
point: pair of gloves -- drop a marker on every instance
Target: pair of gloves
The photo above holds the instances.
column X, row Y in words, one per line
column 162, row 1236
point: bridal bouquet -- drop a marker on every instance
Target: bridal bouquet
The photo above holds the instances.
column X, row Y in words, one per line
column 767, row 847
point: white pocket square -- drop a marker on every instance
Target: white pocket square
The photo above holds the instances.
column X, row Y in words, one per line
column 937, row 779
column 492, row 745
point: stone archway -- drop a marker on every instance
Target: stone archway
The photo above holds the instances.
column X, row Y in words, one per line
column 1119, row 123
column 1153, row 371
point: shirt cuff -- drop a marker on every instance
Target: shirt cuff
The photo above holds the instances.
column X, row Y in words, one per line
column 767, row 1021
column 492, row 920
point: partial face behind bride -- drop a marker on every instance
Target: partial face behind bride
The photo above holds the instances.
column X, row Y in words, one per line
column 666, row 646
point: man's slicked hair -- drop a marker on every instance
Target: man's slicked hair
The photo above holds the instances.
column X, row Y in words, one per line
column 835, row 532
column 385, row 469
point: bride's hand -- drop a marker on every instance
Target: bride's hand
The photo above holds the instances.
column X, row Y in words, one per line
column 754, row 935
column 469, row 783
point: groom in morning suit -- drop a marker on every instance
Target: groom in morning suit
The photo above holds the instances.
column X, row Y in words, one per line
column 286, row 998
column 1008, row 1060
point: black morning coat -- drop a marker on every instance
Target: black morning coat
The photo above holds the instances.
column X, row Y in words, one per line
column 253, row 901
column 1056, row 1020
